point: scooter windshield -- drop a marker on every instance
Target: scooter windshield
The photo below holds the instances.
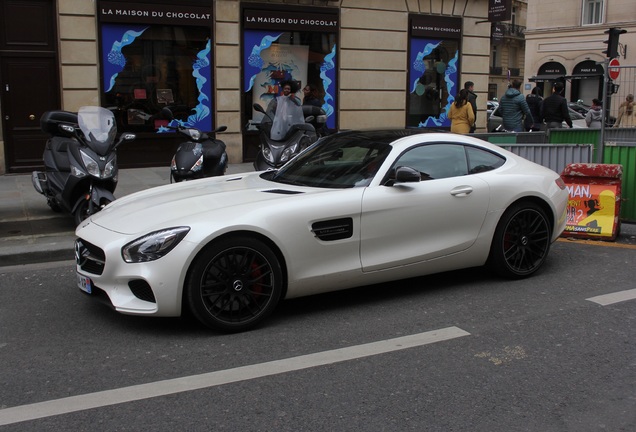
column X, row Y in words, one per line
column 98, row 125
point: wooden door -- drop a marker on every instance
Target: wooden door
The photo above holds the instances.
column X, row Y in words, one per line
column 29, row 78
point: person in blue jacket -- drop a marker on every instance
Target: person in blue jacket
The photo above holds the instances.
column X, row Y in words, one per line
column 513, row 107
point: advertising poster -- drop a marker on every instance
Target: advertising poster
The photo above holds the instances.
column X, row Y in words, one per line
column 591, row 210
column 280, row 63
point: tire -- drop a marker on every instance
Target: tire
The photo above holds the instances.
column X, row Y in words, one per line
column 81, row 212
column 521, row 242
column 234, row 284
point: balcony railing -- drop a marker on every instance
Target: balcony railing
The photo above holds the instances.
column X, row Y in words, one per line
column 513, row 30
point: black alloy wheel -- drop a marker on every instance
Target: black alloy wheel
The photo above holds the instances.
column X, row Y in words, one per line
column 521, row 242
column 234, row 284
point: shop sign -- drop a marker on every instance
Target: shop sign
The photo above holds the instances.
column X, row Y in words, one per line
column 499, row 10
column 439, row 27
column 497, row 34
column 290, row 20
column 142, row 13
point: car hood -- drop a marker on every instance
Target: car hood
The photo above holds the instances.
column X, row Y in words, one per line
column 176, row 203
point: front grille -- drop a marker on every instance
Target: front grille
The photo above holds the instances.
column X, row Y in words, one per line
column 89, row 257
column 142, row 290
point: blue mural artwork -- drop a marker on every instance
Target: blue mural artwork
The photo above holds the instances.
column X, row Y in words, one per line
column 114, row 39
column 422, row 54
column 328, row 76
column 201, row 117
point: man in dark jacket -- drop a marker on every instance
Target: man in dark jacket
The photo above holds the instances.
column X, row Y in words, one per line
column 554, row 109
column 472, row 99
column 513, row 106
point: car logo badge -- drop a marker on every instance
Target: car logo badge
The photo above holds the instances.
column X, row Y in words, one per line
column 238, row 285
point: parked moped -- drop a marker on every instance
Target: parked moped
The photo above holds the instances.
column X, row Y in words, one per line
column 273, row 154
column 80, row 160
column 198, row 157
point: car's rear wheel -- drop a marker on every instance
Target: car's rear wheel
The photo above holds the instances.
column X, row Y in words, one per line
column 521, row 242
column 234, row 284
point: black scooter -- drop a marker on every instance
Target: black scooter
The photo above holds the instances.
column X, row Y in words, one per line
column 273, row 154
column 200, row 156
column 80, row 160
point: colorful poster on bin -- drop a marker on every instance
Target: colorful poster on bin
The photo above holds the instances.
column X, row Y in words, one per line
column 591, row 210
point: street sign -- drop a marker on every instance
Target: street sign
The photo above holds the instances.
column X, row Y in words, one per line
column 613, row 68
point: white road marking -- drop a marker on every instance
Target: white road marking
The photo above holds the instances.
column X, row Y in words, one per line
column 195, row 382
column 616, row 297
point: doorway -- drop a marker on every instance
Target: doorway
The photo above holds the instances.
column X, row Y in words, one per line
column 29, row 75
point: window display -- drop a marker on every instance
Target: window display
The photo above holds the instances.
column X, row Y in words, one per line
column 433, row 70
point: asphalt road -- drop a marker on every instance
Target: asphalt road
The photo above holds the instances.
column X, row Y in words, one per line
column 461, row 351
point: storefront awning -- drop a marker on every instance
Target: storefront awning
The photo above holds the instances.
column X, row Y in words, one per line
column 542, row 78
column 583, row 76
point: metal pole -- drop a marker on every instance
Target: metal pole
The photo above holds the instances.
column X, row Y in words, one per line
column 606, row 104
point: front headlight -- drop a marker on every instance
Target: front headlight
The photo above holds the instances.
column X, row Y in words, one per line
column 91, row 166
column 197, row 165
column 154, row 245
column 267, row 154
column 288, row 153
column 109, row 169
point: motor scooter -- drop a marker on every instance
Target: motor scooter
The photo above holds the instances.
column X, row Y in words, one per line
column 273, row 154
column 198, row 157
column 80, row 160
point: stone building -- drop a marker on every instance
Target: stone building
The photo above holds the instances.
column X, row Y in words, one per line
column 376, row 63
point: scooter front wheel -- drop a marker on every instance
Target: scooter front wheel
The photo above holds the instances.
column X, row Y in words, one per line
column 83, row 210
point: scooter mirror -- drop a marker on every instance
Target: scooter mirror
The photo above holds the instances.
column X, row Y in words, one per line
column 167, row 113
column 259, row 108
column 220, row 129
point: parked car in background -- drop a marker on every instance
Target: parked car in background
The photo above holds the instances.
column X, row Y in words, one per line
column 582, row 109
column 494, row 121
column 491, row 105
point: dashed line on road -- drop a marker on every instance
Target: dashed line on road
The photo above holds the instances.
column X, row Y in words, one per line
column 617, row 297
column 195, row 382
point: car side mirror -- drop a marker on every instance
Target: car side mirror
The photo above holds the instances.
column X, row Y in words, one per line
column 405, row 174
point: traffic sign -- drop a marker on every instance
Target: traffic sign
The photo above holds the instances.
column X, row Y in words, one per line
column 613, row 68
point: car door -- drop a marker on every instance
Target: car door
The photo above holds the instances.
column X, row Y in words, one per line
column 406, row 223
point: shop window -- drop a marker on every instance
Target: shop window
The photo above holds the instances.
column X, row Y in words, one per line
column 148, row 67
column 433, row 76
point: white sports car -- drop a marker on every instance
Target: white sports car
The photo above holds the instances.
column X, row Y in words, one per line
column 356, row 208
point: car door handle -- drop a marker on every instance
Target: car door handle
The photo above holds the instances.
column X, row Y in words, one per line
column 461, row 191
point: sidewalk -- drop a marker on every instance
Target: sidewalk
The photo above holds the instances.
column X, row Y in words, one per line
column 30, row 232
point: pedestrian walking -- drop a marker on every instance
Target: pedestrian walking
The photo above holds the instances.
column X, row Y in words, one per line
column 626, row 113
column 513, row 107
column 472, row 99
column 554, row 109
column 461, row 114
column 534, row 100
column 594, row 116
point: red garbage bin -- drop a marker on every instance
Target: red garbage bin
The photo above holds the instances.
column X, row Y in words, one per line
column 594, row 206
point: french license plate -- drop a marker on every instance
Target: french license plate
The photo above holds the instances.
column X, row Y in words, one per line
column 84, row 284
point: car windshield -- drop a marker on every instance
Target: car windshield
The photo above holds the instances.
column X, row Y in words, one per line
column 344, row 160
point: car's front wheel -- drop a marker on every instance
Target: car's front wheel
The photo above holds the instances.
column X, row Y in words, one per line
column 234, row 284
column 521, row 242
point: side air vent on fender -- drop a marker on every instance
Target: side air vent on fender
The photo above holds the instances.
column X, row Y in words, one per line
column 335, row 229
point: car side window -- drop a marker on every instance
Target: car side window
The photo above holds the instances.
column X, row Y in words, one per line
column 481, row 161
column 435, row 161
